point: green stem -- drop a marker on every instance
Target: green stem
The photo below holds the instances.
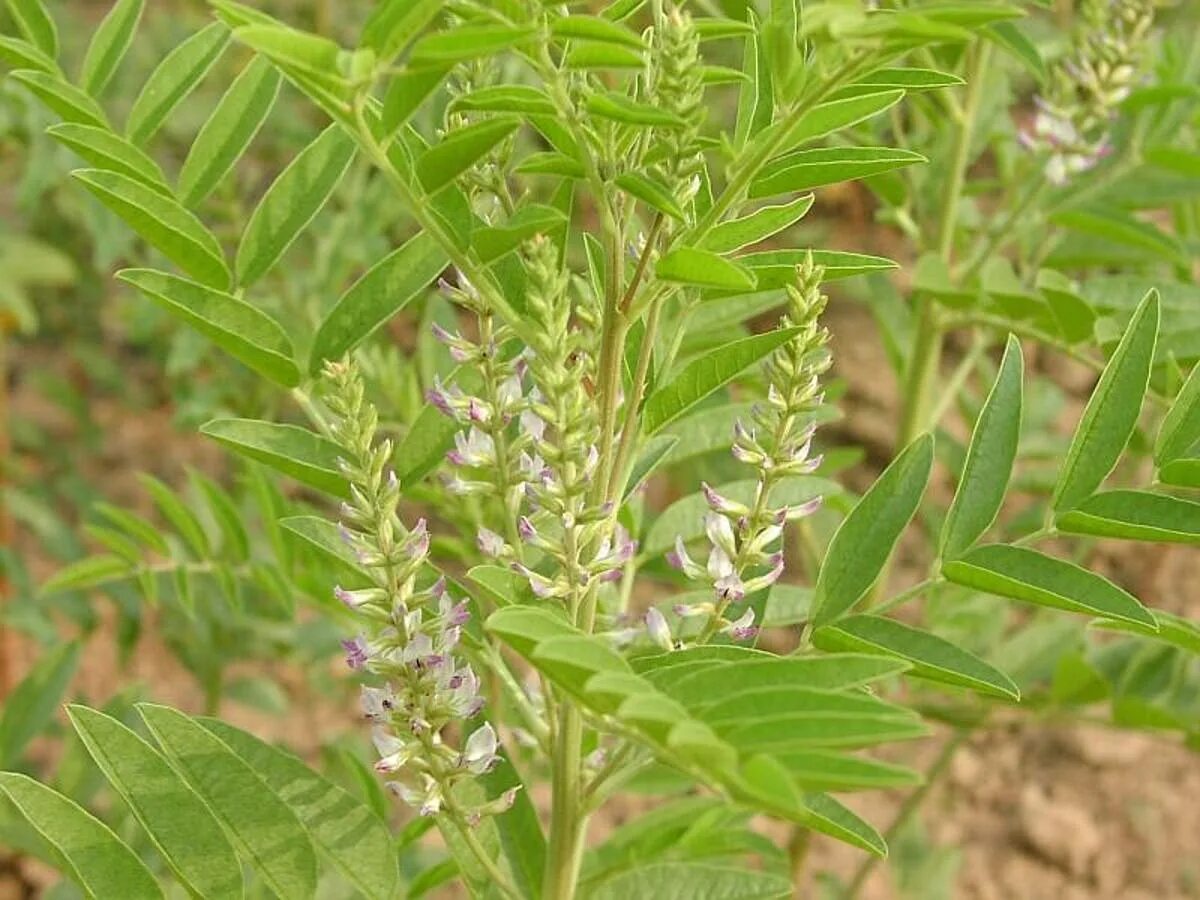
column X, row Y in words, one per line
column 497, row 877
column 910, row 806
column 566, row 819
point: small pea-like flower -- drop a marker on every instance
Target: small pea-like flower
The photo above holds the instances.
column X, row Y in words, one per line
column 394, row 753
column 479, row 755
column 658, row 629
column 720, row 533
column 678, row 558
column 427, row 799
column 473, row 448
column 743, row 629
column 377, row 703
column 358, row 599
column 722, row 504
column 356, row 652
column 490, row 543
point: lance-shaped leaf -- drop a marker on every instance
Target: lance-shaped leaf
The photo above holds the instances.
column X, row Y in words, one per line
column 223, row 138
column 1033, row 577
column 833, row 115
column 261, row 825
column 304, row 455
column 1180, row 429
column 432, row 434
column 1182, row 472
column 1112, row 412
column 583, row 57
column 655, row 453
column 777, row 268
column 108, row 45
column 828, row 770
column 32, row 703
column 468, row 42
column 351, row 835
column 36, row 26
column 292, row 201
column 386, row 288
column 106, row 149
column 516, row 99
column 396, row 22
column 651, row 192
column 619, row 108
column 702, row 268
column 173, row 815
column 932, row 657
column 828, row 816
column 162, row 223
column 989, row 460
column 865, row 539
column 173, row 79
column 805, row 169
column 527, row 222
column 757, row 226
column 95, row 858
column 442, row 163
column 243, row 331
column 19, row 54
column 406, row 92
column 1172, row 629
column 1135, row 516
column 702, row 376
column 904, row 78
column 63, row 98
column 700, row 881
column 592, row 28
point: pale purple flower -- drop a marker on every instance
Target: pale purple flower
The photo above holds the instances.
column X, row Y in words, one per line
column 356, row 653
column 657, row 629
column 377, row 703
column 490, row 543
column 479, row 755
column 720, row 533
column 532, row 425
column 473, row 448
column 394, row 753
column 678, row 559
column 743, row 629
column 722, row 504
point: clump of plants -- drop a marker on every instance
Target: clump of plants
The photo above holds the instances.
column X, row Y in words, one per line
column 593, row 200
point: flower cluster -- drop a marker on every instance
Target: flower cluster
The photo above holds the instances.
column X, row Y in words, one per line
column 678, row 88
column 744, row 554
column 411, row 628
column 1072, row 120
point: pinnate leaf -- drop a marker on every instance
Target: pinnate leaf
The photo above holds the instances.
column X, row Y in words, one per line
column 443, row 162
column 702, row 268
column 1180, row 429
column 304, row 455
column 173, row 79
column 108, row 45
column 1135, row 516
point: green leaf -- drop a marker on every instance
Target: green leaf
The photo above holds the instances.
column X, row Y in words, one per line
column 591, row 56
column 494, row 242
column 1033, row 577
column 706, row 374
column 932, row 657
column 827, row 770
column 1172, row 629
column 21, row 54
column 34, row 22
column 95, row 858
column 517, row 99
column 905, row 79
column 619, row 108
column 183, row 830
column 657, row 450
column 243, row 331
column 592, row 28
column 757, row 226
column 292, row 201
column 826, row 815
column 690, row 265
column 385, row 289
column 68, row 101
column 865, row 539
column 1135, row 516
column 777, row 268
column 1012, row 39
column 805, row 169
column 1112, row 412
column 182, row 519
column 173, row 80
column 1180, row 429
column 691, row 881
column 87, row 573
column 352, row 837
column 296, row 452
column 685, row 517
column 651, row 192
column 442, row 163
column 396, row 22
column 406, row 92
column 105, row 149
column 833, row 115
column 223, row 138
column 33, row 702
column 989, row 460
column 1181, row 472
column 162, row 223
column 108, row 45
column 261, row 825
column 468, row 42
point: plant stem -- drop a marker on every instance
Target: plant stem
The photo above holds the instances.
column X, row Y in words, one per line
column 480, row 852
column 911, row 804
column 566, row 820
